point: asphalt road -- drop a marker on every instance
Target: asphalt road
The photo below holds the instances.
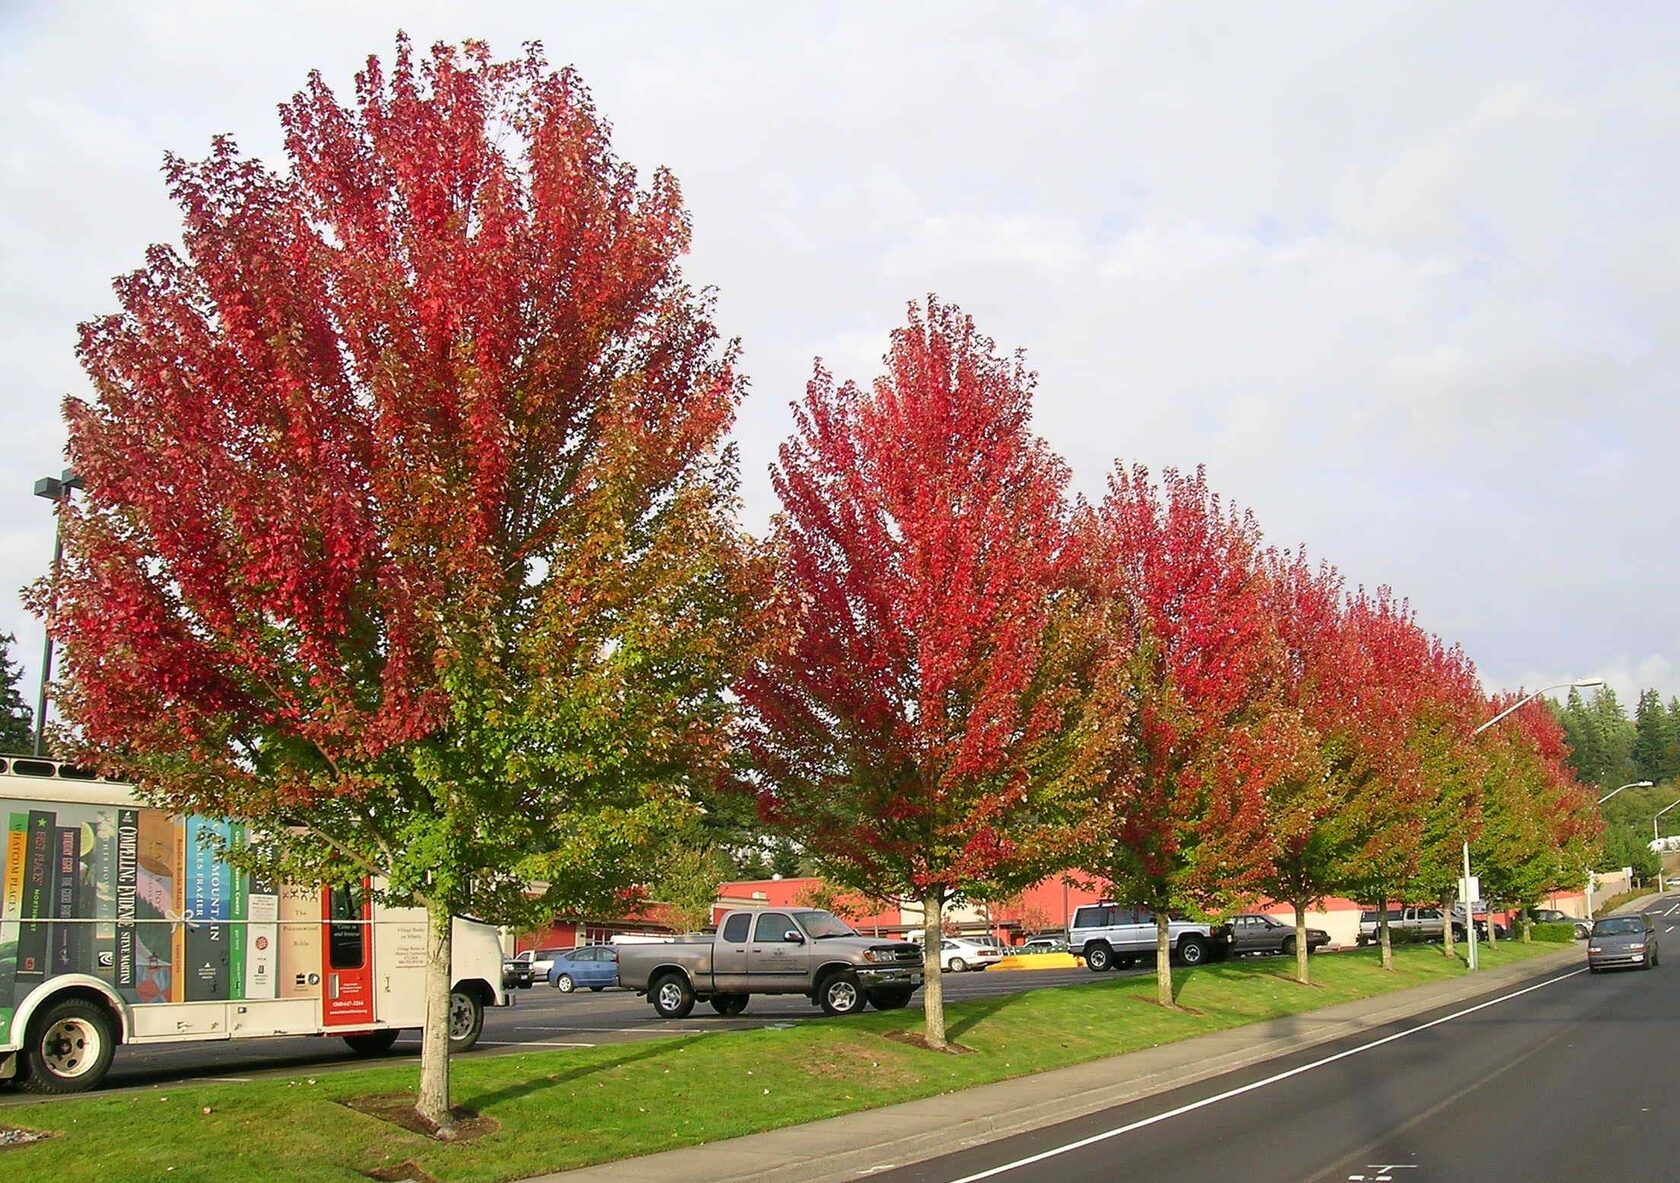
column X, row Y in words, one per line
column 540, row 1017
column 1570, row 1077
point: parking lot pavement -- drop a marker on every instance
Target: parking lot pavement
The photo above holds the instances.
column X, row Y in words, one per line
column 540, row 1017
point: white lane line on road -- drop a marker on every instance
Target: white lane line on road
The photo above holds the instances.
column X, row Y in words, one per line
column 1670, row 912
column 1056, row 1151
column 529, row 1043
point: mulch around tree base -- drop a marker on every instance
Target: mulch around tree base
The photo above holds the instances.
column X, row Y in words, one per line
column 398, row 1109
column 14, row 1136
column 917, row 1040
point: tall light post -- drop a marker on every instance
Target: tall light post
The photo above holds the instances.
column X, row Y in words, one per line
column 1637, row 784
column 1469, row 905
column 57, row 490
column 1656, row 837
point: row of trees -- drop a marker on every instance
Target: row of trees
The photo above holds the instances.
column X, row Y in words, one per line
column 410, row 540
column 990, row 681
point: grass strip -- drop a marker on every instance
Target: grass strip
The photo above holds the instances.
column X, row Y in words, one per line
column 569, row 1108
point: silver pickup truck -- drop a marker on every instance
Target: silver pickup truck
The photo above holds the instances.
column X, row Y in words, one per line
column 773, row 951
column 1113, row 936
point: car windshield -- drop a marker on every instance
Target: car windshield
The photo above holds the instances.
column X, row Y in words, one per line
column 822, row 925
column 1618, row 925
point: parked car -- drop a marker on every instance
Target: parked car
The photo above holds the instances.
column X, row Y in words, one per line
column 540, row 961
column 1113, row 936
column 1255, row 932
column 959, row 954
column 1418, row 924
column 1553, row 916
column 1481, row 914
column 516, row 974
column 1622, row 941
column 759, row 951
column 1044, row 945
column 594, row 966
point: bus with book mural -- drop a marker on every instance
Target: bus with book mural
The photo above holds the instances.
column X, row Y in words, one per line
column 122, row 924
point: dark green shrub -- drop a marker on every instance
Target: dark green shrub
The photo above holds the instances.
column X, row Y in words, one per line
column 1560, row 934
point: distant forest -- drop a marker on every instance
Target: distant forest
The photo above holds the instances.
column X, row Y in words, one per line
column 1608, row 748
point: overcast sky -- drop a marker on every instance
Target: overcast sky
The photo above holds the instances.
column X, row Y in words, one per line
column 1403, row 277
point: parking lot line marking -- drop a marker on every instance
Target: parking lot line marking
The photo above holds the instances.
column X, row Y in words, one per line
column 1252, row 1086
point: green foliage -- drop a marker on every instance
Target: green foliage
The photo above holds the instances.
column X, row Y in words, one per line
column 1625, row 848
column 686, row 882
column 1558, row 934
column 1600, row 737
column 17, row 727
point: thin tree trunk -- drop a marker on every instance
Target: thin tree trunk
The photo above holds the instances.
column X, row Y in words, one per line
column 1301, row 947
column 933, row 987
column 1384, row 939
column 1163, row 960
column 1493, row 938
column 433, row 1102
column 1525, row 922
column 1449, row 947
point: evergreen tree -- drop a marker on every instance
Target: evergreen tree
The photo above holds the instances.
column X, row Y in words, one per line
column 17, row 720
column 1671, row 741
column 1651, row 725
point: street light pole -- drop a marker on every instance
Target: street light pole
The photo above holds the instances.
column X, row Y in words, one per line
column 57, row 490
column 1637, row 784
column 1656, row 837
column 1469, row 904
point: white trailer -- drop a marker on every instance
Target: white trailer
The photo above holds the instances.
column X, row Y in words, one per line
column 120, row 924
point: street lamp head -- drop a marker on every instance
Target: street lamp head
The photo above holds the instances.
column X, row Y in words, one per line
column 1640, row 784
column 1587, row 683
column 49, row 487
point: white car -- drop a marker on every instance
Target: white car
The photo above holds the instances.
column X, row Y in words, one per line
column 957, row 955
column 541, row 961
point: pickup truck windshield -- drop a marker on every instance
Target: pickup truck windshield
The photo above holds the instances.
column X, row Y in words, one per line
column 818, row 925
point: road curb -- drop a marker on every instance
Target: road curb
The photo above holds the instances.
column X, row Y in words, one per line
column 856, row 1145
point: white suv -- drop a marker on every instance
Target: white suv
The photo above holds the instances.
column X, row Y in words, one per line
column 1113, row 936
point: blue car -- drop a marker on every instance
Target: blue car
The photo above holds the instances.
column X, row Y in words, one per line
column 595, row 966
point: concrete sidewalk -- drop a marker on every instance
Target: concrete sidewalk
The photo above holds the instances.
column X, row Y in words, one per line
column 860, row 1144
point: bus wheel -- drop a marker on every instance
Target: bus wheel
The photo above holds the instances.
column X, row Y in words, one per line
column 69, row 1048
column 373, row 1043
column 466, row 1020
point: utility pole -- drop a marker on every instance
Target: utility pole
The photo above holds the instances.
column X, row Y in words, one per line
column 57, row 490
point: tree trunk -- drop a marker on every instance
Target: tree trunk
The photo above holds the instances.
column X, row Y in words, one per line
column 433, row 1102
column 1493, row 938
column 933, row 987
column 1525, row 923
column 1301, row 949
column 1384, row 939
column 1163, row 960
column 1449, row 947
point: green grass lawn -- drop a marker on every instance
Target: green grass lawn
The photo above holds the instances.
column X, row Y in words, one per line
column 568, row 1108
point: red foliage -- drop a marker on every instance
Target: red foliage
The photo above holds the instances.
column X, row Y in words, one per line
column 332, row 434
column 903, row 732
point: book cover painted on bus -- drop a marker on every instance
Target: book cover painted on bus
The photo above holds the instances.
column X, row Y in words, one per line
column 37, row 892
column 66, row 956
column 238, row 885
column 206, row 943
column 178, row 909
column 11, row 907
column 154, row 902
column 126, row 975
column 262, row 939
column 300, row 941
column 99, row 859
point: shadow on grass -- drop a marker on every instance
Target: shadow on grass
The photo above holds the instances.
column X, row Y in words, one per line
column 973, row 1012
column 649, row 1050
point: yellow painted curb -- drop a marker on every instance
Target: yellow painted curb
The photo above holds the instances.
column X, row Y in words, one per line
column 1041, row 961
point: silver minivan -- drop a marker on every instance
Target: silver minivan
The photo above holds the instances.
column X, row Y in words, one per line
column 1622, row 941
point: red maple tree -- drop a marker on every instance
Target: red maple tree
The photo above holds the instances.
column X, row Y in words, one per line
column 934, row 705
column 407, row 510
column 1178, row 821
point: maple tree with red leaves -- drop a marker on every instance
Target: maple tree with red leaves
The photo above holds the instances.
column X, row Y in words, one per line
column 942, row 693
column 1178, row 818
column 408, row 512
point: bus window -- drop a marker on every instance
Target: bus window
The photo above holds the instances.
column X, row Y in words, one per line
column 346, row 948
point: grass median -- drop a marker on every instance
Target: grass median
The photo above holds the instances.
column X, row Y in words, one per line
column 568, row 1108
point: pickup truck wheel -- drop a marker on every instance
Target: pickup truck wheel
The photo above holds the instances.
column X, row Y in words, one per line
column 68, row 1048
column 673, row 997
column 466, row 1020
column 1099, row 959
column 373, row 1043
column 841, row 994
column 890, row 997
column 1192, row 950
column 729, row 1005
